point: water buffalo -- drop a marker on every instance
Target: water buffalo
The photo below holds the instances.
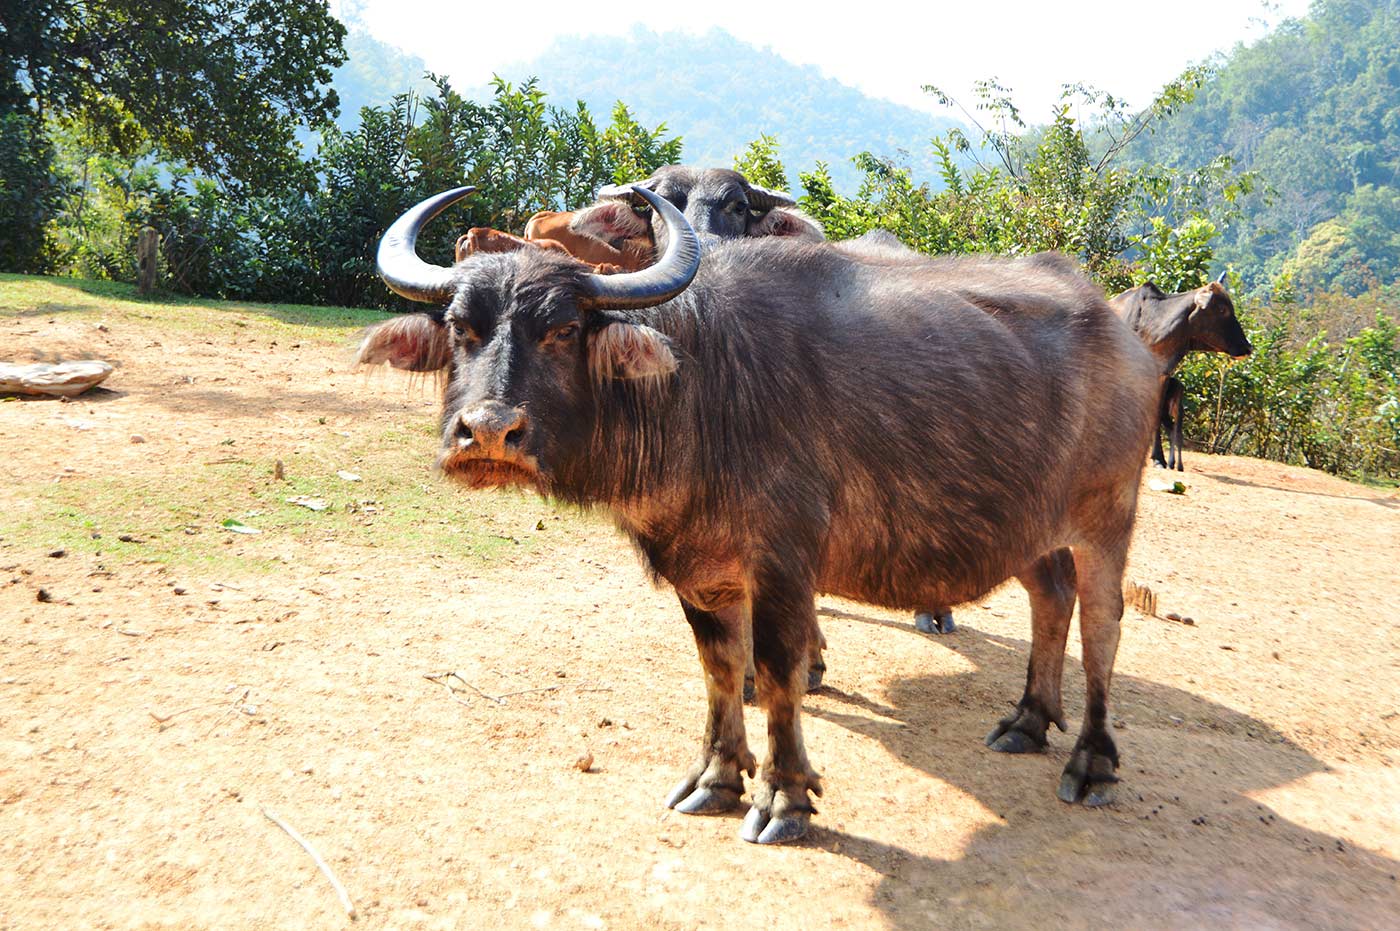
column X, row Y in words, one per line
column 759, row 428
column 718, row 203
column 1171, row 325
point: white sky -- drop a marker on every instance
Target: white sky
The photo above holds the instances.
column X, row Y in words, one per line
column 885, row 49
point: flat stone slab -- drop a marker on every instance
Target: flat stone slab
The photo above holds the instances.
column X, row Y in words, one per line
column 63, row 379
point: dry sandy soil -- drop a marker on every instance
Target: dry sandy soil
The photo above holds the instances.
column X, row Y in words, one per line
column 158, row 692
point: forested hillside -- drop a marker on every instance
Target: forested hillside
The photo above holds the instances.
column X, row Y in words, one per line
column 718, row 93
column 1314, row 108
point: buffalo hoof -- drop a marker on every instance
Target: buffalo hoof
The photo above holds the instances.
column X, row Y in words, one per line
column 926, row 622
column 761, row 828
column 1014, row 742
column 1089, row 776
column 1022, row 731
column 688, row 799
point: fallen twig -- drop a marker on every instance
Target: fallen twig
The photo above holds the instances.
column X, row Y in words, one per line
column 232, row 708
column 453, row 675
column 441, row 679
column 320, row 864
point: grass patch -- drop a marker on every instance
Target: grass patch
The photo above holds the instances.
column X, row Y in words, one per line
column 175, row 516
column 29, row 296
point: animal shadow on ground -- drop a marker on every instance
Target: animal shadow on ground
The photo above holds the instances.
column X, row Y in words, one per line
column 1183, row 845
column 1387, row 502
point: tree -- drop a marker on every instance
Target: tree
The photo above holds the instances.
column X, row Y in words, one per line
column 220, row 85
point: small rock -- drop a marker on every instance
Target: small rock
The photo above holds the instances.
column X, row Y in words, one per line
column 44, row 596
column 137, row 438
column 57, row 554
column 180, row 589
column 584, row 763
column 1189, row 622
column 128, row 538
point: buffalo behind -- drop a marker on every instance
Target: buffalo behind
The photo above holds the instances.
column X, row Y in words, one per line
column 794, row 419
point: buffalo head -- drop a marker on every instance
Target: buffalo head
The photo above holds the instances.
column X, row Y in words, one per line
column 717, row 202
column 527, row 340
column 1212, row 324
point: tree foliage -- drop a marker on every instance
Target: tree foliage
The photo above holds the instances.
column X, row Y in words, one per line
column 1314, row 108
column 317, row 245
column 179, row 74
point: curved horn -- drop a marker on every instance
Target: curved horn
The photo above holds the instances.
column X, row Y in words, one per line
column 627, row 192
column 1221, row 279
column 760, row 198
column 398, row 262
column 671, row 274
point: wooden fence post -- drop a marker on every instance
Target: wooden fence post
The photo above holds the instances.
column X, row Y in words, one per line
column 146, row 259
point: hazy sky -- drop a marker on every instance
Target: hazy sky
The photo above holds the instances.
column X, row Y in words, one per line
column 885, row 49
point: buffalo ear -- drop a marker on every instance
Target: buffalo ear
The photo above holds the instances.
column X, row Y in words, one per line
column 414, row 343
column 630, row 351
column 610, row 221
column 785, row 221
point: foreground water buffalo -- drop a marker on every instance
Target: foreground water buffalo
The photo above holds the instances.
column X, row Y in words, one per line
column 1172, row 325
column 760, row 431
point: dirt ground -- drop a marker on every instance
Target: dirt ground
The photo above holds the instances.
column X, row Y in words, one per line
column 157, row 693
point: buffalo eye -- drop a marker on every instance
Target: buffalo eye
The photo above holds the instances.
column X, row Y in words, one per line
column 737, row 206
column 562, row 334
column 463, row 333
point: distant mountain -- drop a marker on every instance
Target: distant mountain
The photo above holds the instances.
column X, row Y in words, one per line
column 718, row 94
column 373, row 73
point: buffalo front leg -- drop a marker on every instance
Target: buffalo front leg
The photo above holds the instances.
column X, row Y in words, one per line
column 716, row 782
column 784, row 621
column 1051, row 586
column 1090, row 773
column 816, row 658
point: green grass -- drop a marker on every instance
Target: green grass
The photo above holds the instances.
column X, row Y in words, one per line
column 177, row 518
column 29, row 296
column 175, row 512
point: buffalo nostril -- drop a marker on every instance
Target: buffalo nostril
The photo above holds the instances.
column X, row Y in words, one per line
column 516, row 435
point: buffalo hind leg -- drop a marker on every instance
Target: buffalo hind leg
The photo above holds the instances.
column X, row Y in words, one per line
column 1090, row 773
column 935, row 621
column 1051, row 586
column 784, row 621
column 716, row 782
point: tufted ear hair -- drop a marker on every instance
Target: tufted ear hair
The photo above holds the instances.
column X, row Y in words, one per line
column 611, row 221
column 630, row 351
column 787, row 221
column 414, row 343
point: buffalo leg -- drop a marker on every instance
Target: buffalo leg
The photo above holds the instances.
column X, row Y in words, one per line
column 936, row 621
column 1089, row 775
column 816, row 661
column 1173, row 409
column 1051, row 586
column 1158, row 460
column 716, row 781
column 784, row 620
